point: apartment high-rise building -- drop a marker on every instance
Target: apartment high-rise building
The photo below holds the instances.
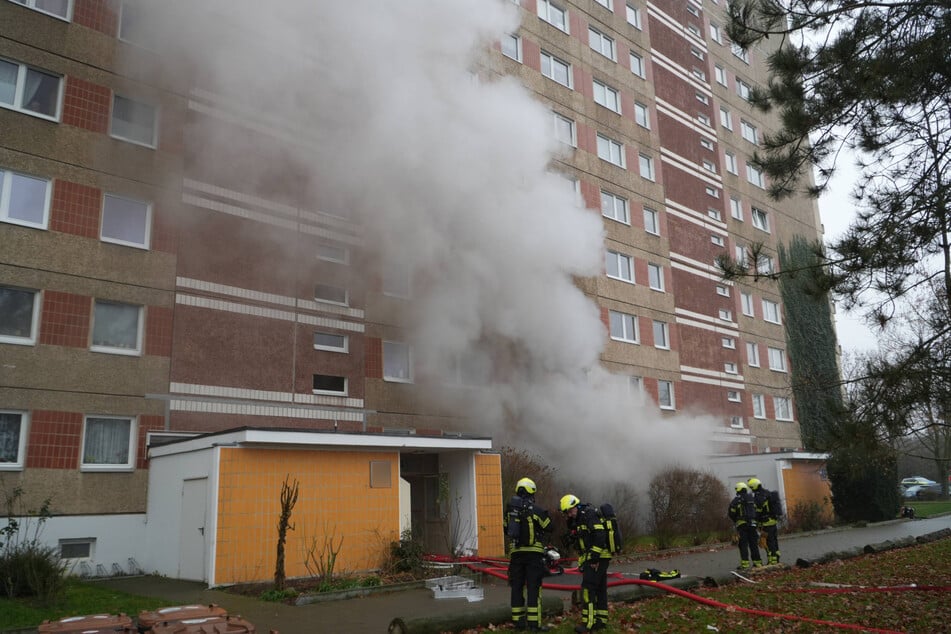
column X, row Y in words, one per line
column 148, row 294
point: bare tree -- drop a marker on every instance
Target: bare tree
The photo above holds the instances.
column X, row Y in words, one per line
column 289, row 494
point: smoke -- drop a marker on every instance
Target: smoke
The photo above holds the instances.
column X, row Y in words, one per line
column 391, row 113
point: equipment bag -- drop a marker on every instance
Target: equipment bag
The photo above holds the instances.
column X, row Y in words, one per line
column 612, row 527
column 775, row 504
column 653, row 574
column 518, row 526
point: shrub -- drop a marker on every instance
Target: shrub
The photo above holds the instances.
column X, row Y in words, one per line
column 27, row 567
column 686, row 503
column 806, row 516
column 406, row 555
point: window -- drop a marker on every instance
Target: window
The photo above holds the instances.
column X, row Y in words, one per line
column 642, row 115
column 29, row 90
column 714, row 193
column 555, row 69
column 728, row 342
column 731, row 165
column 19, row 314
column 59, row 8
column 646, row 164
column 108, row 443
column 752, row 354
column 733, row 396
column 76, row 548
column 601, row 43
column 729, row 367
column 743, row 89
column 126, row 221
column 565, row 130
column 397, row 362
column 720, row 74
column 739, row 254
column 610, row 150
column 333, row 253
column 614, row 207
column 665, row 394
column 696, row 52
column 771, row 312
column 706, row 143
column 13, row 435
column 606, row 96
column 759, row 406
column 736, row 421
column 661, row 335
column 702, row 98
column 709, row 166
column 116, row 328
column 736, row 208
column 24, row 200
column 692, row 10
column 703, row 118
column 133, row 121
column 746, row 302
column 783, row 408
column 777, row 359
column 717, row 240
column 714, row 213
column 655, row 276
column 651, row 221
column 553, row 14
column 633, row 16
column 694, row 29
column 739, row 52
column 723, row 290
column 512, row 46
column 749, row 131
column 760, row 219
column 329, row 384
column 715, row 34
column 725, row 315
column 623, row 327
column 637, row 65
column 331, row 294
column 765, row 265
column 696, row 72
column 725, row 119
column 331, row 342
column 636, row 384
column 754, row 175
column 604, row 3
column 131, row 22
column 397, row 279
column 619, row 266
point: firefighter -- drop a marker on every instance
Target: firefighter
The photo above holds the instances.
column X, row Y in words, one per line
column 767, row 516
column 586, row 531
column 528, row 528
column 742, row 512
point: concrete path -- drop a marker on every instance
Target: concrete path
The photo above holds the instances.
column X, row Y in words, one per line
column 373, row 614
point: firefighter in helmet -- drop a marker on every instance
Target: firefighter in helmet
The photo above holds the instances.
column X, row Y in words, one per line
column 768, row 517
column 527, row 528
column 742, row 513
column 587, row 533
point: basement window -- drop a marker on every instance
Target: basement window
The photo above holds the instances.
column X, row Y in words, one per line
column 77, row 548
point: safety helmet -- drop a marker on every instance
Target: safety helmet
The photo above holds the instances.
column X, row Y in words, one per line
column 569, row 502
column 754, row 483
column 526, row 484
column 741, row 486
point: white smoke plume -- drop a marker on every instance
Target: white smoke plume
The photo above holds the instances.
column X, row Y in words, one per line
column 392, row 115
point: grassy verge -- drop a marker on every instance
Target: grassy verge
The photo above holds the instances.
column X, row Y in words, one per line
column 808, row 594
column 79, row 598
column 930, row 509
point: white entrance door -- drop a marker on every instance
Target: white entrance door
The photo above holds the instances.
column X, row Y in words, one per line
column 191, row 554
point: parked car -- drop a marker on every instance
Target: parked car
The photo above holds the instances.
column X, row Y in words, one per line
column 922, row 491
column 912, row 481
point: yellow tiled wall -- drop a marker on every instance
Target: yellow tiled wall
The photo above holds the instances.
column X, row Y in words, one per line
column 804, row 483
column 336, row 509
column 489, row 504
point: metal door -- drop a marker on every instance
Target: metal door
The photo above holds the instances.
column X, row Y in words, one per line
column 191, row 553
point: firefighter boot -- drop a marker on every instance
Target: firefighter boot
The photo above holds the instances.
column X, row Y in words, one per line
column 744, row 565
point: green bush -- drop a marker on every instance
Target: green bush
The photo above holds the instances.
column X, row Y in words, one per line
column 27, row 567
column 805, row 516
column 406, row 555
column 863, row 480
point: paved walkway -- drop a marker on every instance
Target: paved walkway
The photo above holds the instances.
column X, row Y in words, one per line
column 373, row 614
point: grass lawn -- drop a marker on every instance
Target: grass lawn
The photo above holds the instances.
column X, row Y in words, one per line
column 80, row 598
column 929, row 509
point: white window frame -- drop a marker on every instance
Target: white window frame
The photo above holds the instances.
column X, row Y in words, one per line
column 746, row 303
column 642, row 115
column 703, row 118
column 726, row 118
column 752, row 354
column 723, row 291
column 89, row 541
column 736, row 422
column 560, row 122
column 645, row 164
column 719, row 73
column 129, row 464
column 771, row 312
column 633, row 16
column 736, row 208
column 405, row 375
column 651, row 221
column 637, row 65
column 515, row 39
column 739, row 254
column 749, row 132
column 661, row 330
column 344, row 392
column 782, row 406
column 611, row 151
column 153, row 141
column 734, row 396
column 706, row 143
column 34, row 318
column 606, row 96
column 623, row 327
column 715, row 33
column 732, row 166
column 729, row 367
column 760, row 219
column 329, row 252
column 146, row 207
column 604, row 3
column 344, row 346
column 325, row 300
column 618, row 258
column 743, row 89
column 20, row 87
column 553, row 14
column 110, row 349
column 739, row 53
column 20, row 458
column 615, row 208
column 551, row 61
column 702, row 98
column 31, row 4
column 6, row 195
column 713, row 192
column 777, row 359
column 765, row 265
column 655, row 277
column 759, row 406
column 717, row 240
column 725, row 314
column 754, row 175
column 713, row 213
column 728, row 342
column 602, row 44
column 709, row 165
column 671, row 401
